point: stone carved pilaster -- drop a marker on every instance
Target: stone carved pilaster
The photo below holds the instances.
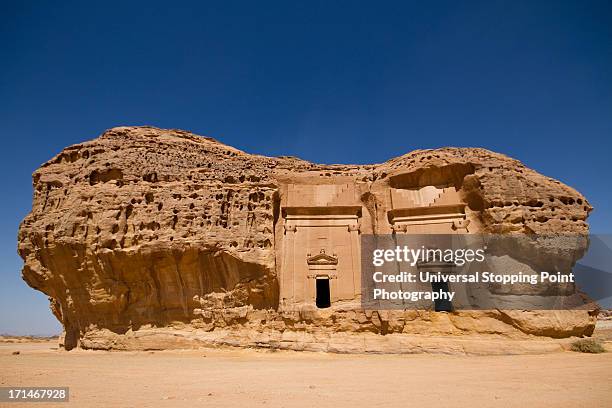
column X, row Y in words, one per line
column 287, row 292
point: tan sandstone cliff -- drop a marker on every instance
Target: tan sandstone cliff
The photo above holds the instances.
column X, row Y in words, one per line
column 147, row 238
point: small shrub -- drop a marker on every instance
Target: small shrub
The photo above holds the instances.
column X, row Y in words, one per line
column 587, row 346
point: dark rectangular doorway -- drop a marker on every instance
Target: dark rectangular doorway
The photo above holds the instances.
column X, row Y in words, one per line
column 323, row 297
column 441, row 305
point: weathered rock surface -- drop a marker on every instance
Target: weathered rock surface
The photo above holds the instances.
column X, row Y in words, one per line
column 151, row 238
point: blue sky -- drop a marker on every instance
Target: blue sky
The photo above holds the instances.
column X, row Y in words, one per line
column 344, row 82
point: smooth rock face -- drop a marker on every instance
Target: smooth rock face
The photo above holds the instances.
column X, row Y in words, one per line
column 147, row 238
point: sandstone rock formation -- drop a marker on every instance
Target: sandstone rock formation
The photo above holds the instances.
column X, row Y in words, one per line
column 147, row 238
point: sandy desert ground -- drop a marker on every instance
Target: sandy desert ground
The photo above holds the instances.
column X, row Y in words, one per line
column 255, row 378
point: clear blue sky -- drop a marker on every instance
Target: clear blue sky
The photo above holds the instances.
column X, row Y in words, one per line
column 347, row 82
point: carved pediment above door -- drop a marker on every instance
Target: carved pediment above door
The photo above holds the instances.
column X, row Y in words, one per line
column 322, row 259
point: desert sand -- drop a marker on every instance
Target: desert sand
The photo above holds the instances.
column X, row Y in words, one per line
column 257, row 378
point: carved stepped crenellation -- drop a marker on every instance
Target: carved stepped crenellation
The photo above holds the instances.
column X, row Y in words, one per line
column 448, row 196
column 429, row 209
column 345, row 194
column 428, row 196
column 422, row 197
column 320, row 196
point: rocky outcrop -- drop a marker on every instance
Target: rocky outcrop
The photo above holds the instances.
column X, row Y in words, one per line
column 151, row 238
